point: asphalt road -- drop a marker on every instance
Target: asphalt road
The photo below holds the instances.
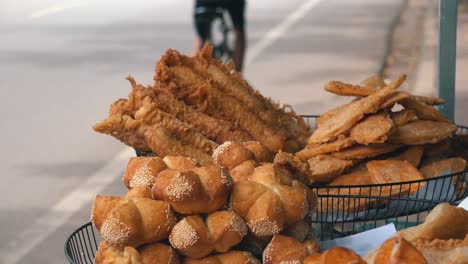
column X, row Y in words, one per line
column 63, row 63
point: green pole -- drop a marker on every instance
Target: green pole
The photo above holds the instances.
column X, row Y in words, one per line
column 447, row 55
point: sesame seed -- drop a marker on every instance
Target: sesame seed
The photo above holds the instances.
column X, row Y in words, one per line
column 183, row 235
column 264, row 227
column 237, row 224
column 115, row 232
column 220, row 149
column 179, row 189
column 143, row 177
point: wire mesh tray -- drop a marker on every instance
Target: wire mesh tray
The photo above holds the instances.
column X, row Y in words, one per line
column 341, row 210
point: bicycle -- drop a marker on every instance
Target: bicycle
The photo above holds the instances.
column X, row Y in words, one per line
column 217, row 29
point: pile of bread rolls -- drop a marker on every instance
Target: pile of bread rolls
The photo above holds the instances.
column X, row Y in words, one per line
column 178, row 211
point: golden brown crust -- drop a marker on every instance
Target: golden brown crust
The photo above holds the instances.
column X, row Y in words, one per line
column 335, row 255
column 325, row 168
column 298, row 168
column 283, row 249
column 388, row 171
column 142, row 171
column 402, row 117
column 447, row 166
column 423, row 111
column 196, row 238
column 243, row 171
column 316, row 149
column 158, row 253
column 180, row 163
column 420, row 132
column 199, row 190
column 398, row 250
column 231, row 257
column 358, row 152
column 110, row 255
column 347, row 89
column 230, row 154
column 372, row 129
column 261, row 153
column 412, row 154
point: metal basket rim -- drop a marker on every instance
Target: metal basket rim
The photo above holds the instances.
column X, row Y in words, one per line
column 67, row 242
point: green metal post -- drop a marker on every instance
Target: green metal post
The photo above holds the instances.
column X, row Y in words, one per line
column 447, row 55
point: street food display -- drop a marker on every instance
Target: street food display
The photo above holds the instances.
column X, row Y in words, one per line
column 231, row 175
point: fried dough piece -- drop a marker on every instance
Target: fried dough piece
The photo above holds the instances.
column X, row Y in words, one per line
column 233, row 85
column 161, row 142
column 420, row 132
column 424, row 111
column 316, row 149
column 388, row 171
column 372, row 129
column 321, row 119
column 358, row 152
column 395, row 98
column 295, row 165
column 346, row 89
column 345, row 203
column 213, row 128
column 324, row 168
column 344, row 119
column 402, row 117
column 437, row 168
column 429, row 100
column 374, row 82
column 186, row 85
column 413, row 155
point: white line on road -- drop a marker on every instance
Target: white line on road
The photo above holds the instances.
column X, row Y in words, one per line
column 280, row 29
column 58, row 8
column 64, row 209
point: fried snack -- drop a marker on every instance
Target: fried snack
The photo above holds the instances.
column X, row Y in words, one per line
column 142, row 171
column 107, row 254
column 420, row 132
column 261, row 153
column 335, row 255
column 125, row 222
column 230, row 257
column 450, row 251
column 396, row 97
column 196, row 238
column 424, row 111
column 346, row 204
column 372, row 129
column 212, row 128
column 181, row 80
column 347, row 89
column 443, row 222
column 162, row 142
column 445, row 166
column 283, row 249
column 402, row 117
column 412, row 154
column 359, row 152
column 396, row 250
column 388, row 171
column 374, row 82
column 321, row 119
column 316, row 149
column 324, row 168
column 429, row 100
column 233, row 85
column 344, row 119
column 270, row 200
column 295, row 165
column 197, row 191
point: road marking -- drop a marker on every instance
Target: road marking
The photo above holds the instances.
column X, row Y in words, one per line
column 58, row 8
column 279, row 30
column 61, row 212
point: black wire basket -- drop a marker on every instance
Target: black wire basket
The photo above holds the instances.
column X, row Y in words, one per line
column 341, row 210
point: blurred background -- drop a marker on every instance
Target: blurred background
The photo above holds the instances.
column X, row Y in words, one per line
column 62, row 63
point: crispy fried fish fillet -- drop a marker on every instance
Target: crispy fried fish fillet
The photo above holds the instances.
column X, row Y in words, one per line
column 429, row 100
column 402, row 117
column 388, row 171
column 374, row 82
column 358, row 152
column 372, row 129
column 316, row 149
column 344, row 119
column 325, row 168
column 346, row 89
column 186, row 85
column 161, row 141
column 448, row 166
column 395, row 98
column 423, row 111
column 214, row 129
column 420, row 132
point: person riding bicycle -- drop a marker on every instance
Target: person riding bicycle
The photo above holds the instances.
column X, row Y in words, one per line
column 236, row 10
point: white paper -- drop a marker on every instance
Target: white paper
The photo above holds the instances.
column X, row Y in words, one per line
column 363, row 242
column 464, row 204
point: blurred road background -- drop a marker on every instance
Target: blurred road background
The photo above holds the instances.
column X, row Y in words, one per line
column 63, row 62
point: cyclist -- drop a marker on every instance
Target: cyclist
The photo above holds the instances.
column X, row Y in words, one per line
column 236, row 9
